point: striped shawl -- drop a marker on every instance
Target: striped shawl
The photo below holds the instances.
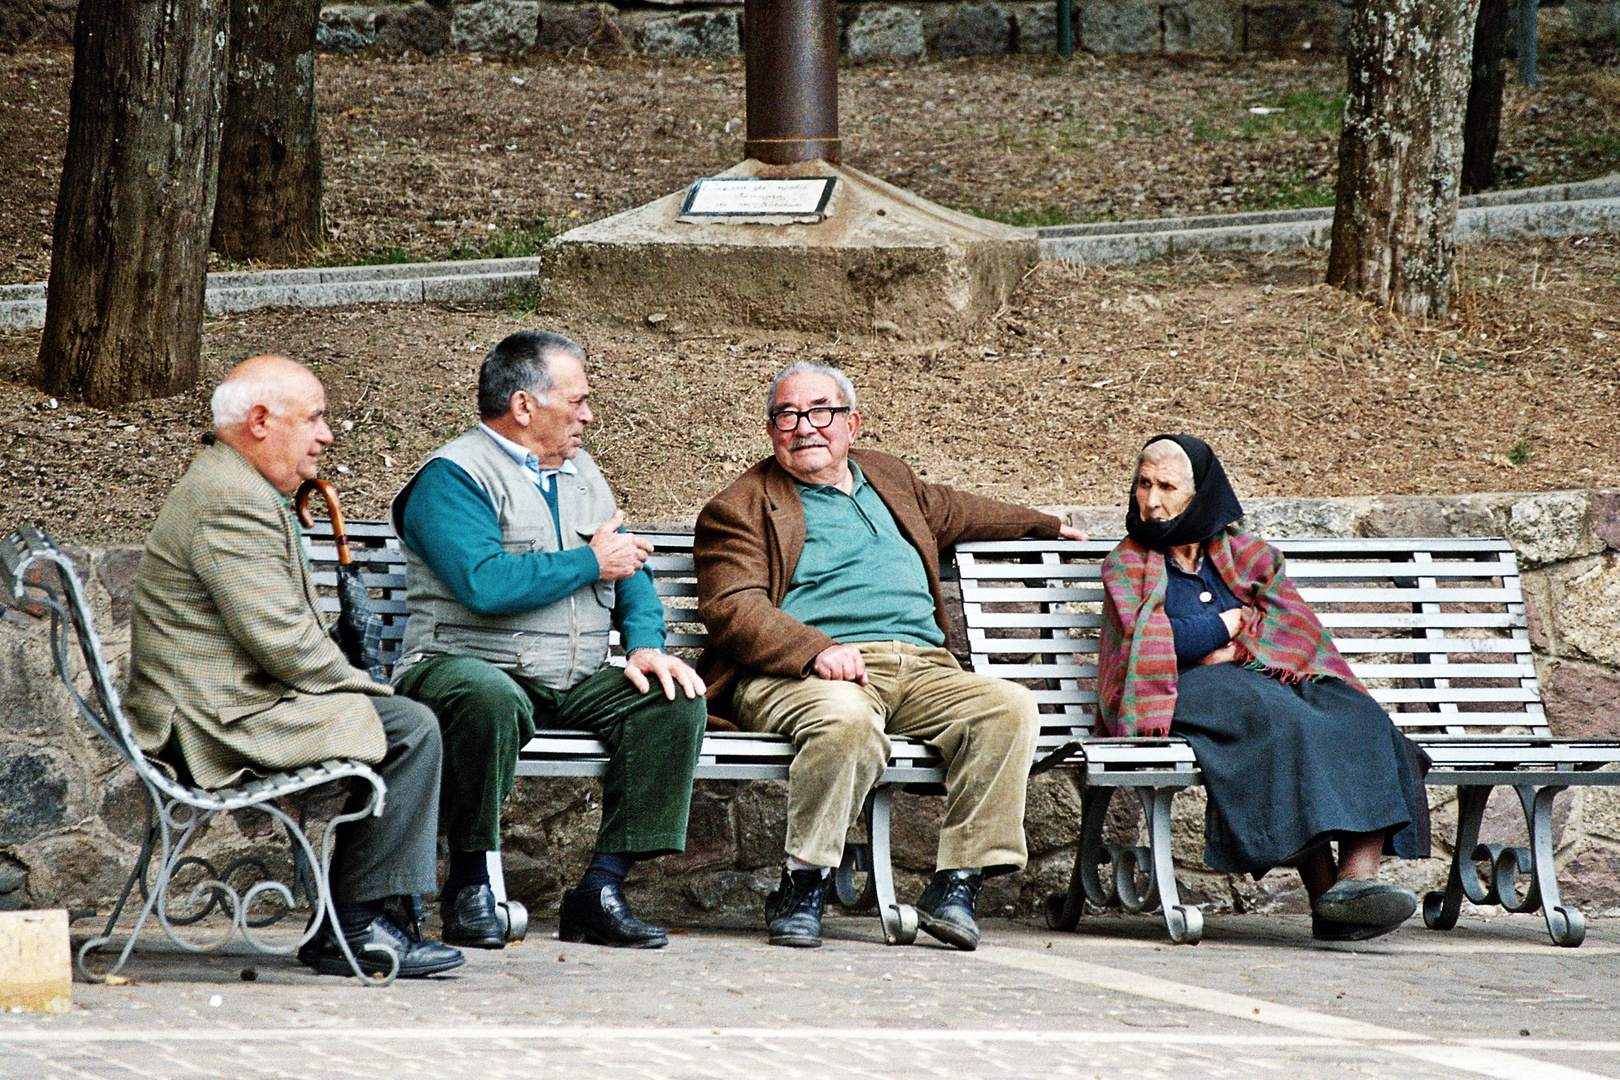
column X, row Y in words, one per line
column 1136, row 663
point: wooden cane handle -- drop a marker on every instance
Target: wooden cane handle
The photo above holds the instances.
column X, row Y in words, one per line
column 334, row 513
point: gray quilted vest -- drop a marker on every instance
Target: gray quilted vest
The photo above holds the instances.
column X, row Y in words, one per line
column 558, row 645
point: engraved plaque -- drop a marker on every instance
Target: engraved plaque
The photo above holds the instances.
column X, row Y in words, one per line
column 758, row 200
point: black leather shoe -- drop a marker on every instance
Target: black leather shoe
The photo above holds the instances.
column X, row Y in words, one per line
column 473, row 919
column 371, row 944
column 945, row 909
column 602, row 917
column 794, row 909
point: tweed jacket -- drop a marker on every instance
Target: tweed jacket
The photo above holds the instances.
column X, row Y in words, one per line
column 749, row 539
column 229, row 655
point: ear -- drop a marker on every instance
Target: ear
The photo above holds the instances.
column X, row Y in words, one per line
column 854, row 419
column 517, row 407
column 256, row 422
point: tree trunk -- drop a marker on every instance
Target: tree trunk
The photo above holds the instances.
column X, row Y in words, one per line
column 1400, row 156
column 129, row 261
column 268, row 203
column 1483, row 125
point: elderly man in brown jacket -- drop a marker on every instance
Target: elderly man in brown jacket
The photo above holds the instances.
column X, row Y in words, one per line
column 233, row 673
column 818, row 579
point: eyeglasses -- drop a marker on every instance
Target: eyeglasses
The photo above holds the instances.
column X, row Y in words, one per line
column 788, row 419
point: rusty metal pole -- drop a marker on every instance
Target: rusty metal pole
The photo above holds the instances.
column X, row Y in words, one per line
column 792, row 83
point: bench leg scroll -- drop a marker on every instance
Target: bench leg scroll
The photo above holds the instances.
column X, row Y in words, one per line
column 1184, row 921
column 899, row 920
column 1565, row 924
column 1143, row 879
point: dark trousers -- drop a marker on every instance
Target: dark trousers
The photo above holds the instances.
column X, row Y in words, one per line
column 395, row 854
column 486, row 715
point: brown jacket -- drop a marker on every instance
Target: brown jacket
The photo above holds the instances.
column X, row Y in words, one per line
column 749, row 539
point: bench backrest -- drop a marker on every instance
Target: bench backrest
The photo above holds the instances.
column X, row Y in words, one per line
column 382, row 562
column 1436, row 628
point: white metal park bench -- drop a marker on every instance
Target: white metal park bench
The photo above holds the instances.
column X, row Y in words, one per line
column 864, row 881
column 1436, row 628
column 42, row 578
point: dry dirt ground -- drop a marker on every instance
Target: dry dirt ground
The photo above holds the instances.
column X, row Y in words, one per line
column 1303, row 390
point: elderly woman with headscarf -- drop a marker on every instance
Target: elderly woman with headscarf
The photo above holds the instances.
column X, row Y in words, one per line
column 1205, row 637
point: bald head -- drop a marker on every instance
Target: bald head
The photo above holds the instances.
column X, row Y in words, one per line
column 272, row 411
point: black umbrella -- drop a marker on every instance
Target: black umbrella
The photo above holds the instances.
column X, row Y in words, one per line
column 358, row 631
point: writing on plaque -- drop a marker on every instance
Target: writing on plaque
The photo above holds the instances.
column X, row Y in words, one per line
column 772, row 201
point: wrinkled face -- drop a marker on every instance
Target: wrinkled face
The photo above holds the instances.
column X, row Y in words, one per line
column 1162, row 491
column 815, row 456
column 557, row 428
column 295, row 436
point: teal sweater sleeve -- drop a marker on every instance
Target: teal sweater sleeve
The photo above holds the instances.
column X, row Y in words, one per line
column 451, row 523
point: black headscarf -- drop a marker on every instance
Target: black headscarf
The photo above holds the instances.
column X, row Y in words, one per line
column 1214, row 504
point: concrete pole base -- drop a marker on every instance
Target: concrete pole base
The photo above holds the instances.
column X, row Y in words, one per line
column 883, row 260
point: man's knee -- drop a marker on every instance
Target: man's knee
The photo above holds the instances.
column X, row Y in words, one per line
column 1012, row 707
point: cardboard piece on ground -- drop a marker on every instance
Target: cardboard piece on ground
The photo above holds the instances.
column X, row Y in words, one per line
column 36, row 964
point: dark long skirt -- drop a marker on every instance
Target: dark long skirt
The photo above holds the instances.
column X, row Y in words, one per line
column 1286, row 767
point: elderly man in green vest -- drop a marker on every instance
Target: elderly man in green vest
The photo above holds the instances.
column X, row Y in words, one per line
column 518, row 568
column 233, row 674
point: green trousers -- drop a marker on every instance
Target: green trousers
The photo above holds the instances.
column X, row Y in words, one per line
column 486, row 715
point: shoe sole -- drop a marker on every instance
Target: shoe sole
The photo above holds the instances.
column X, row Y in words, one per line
column 467, row 942
column 949, row 933
column 340, row 966
column 590, row 937
column 1388, row 907
column 1354, row 932
column 795, row 941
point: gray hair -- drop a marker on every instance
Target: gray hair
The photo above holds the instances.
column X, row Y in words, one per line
column 522, row 361
column 809, row 367
column 1162, row 451
column 235, row 397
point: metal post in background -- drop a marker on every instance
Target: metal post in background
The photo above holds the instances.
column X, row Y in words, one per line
column 1527, row 42
column 1065, row 28
column 791, row 49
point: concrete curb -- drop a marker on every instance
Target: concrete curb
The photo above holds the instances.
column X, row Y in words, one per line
column 1548, row 212
column 22, row 307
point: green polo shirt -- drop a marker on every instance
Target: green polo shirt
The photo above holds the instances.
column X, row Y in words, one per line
column 858, row 579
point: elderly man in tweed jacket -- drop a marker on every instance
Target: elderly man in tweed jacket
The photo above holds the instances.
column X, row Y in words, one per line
column 233, row 673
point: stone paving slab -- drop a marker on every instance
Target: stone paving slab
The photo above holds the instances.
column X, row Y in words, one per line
column 1114, row 999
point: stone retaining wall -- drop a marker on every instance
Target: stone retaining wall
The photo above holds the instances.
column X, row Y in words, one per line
column 70, row 817
column 872, row 31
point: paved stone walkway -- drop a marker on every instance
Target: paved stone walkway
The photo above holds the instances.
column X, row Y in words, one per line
column 1256, row 998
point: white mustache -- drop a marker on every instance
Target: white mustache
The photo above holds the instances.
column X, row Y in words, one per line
column 803, row 444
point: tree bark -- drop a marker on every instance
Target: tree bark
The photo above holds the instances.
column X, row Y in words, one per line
column 1482, row 127
column 268, row 203
column 129, row 260
column 1400, row 155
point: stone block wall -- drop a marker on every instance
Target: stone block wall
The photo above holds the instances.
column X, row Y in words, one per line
column 872, row 31
column 943, row 29
column 71, row 816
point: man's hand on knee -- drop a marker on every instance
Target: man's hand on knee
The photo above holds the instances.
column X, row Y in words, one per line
column 841, row 663
column 669, row 669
